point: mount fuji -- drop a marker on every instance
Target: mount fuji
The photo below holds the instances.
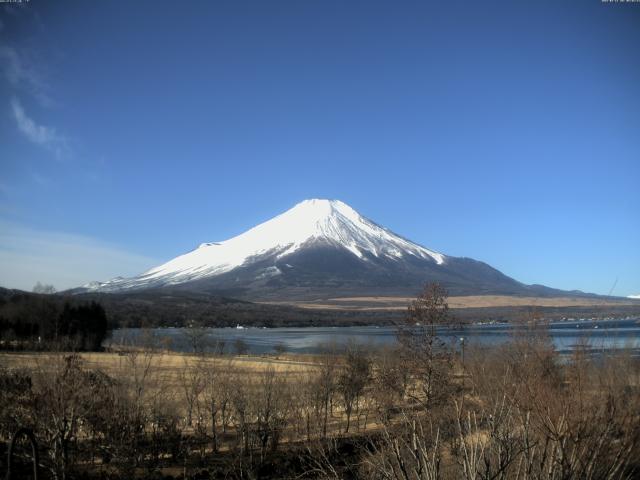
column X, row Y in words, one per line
column 319, row 249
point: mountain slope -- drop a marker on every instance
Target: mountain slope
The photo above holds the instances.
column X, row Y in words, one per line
column 319, row 249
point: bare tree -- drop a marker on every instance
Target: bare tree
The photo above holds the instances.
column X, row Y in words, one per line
column 391, row 381
column 324, row 389
column 138, row 383
column 412, row 451
column 216, row 393
column 240, row 402
column 353, row 379
column 62, row 400
column 279, row 349
column 44, row 288
column 196, row 337
column 241, row 347
column 16, row 401
column 307, row 404
column 424, row 353
column 271, row 408
column 192, row 383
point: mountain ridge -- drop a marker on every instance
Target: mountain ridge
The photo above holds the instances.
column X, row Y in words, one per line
column 320, row 249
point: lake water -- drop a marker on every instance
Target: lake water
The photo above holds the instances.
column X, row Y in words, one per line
column 599, row 335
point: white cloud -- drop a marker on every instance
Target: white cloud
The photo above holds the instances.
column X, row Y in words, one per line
column 39, row 134
column 14, row 68
column 21, row 74
column 64, row 260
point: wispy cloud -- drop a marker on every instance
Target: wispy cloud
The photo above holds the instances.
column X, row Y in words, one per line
column 44, row 136
column 15, row 70
column 64, row 260
column 22, row 75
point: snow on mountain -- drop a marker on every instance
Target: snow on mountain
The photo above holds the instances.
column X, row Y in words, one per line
column 634, row 296
column 309, row 222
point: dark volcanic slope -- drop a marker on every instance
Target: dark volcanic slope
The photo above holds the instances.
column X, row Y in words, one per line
column 327, row 271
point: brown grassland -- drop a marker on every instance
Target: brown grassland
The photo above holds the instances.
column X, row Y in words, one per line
column 470, row 301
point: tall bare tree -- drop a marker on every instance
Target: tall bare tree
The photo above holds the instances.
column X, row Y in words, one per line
column 425, row 354
column 353, row 378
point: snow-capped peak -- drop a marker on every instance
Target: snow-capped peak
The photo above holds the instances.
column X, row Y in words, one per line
column 635, row 297
column 308, row 222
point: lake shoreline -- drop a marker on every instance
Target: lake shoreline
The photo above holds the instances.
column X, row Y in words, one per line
column 602, row 334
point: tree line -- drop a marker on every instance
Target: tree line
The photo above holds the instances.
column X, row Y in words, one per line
column 44, row 322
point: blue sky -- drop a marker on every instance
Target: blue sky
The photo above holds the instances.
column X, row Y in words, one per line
column 508, row 132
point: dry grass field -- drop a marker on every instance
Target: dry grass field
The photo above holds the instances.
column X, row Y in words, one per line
column 471, row 301
column 167, row 365
column 112, row 361
column 168, row 414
